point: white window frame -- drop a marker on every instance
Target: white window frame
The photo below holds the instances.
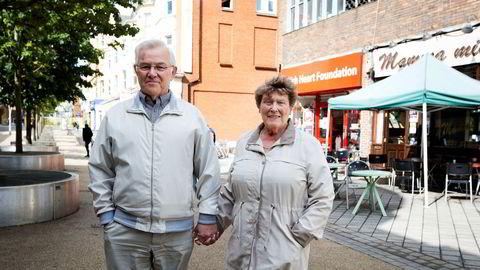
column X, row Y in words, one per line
column 292, row 22
column 335, row 10
column 228, row 8
column 295, row 4
column 308, row 12
column 264, row 7
column 301, row 22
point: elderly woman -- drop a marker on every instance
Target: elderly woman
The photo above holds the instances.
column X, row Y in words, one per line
column 279, row 192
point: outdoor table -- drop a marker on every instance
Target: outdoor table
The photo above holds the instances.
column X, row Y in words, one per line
column 371, row 176
column 335, row 166
column 334, row 170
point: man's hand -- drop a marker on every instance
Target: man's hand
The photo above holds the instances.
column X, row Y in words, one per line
column 205, row 234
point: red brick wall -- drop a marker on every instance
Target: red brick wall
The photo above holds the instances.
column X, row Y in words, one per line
column 228, row 113
column 224, row 93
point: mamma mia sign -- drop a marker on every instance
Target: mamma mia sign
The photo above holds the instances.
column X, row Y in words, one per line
column 456, row 49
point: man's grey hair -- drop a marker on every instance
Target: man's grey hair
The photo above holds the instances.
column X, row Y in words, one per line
column 151, row 44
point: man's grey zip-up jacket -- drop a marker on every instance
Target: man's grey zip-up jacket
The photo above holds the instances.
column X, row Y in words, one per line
column 145, row 175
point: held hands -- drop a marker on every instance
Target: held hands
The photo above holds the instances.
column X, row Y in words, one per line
column 205, row 234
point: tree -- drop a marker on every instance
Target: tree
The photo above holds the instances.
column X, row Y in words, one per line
column 45, row 49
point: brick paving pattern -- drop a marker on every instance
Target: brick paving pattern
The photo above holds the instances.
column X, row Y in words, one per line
column 442, row 236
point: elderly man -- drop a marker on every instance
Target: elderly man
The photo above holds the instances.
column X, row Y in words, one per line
column 151, row 155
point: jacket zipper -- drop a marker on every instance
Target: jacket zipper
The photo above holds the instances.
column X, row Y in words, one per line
column 151, row 177
column 257, row 229
column 239, row 216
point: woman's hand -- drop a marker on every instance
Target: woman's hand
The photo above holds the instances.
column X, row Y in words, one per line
column 205, row 234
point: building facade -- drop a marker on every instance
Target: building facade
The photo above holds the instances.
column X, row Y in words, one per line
column 224, row 51
column 234, row 51
column 387, row 36
column 167, row 20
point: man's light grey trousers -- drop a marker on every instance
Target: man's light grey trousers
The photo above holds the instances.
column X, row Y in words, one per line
column 127, row 248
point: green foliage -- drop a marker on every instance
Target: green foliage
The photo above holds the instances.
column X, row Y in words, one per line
column 45, row 49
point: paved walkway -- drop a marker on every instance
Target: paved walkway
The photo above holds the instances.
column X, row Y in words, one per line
column 76, row 241
column 442, row 235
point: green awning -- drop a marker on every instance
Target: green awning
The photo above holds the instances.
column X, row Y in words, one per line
column 426, row 81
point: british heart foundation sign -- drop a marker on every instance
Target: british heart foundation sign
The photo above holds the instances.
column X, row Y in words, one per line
column 343, row 72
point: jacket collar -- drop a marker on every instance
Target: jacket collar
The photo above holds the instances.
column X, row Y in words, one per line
column 254, row 142
column 147, row 100
column 172, row 107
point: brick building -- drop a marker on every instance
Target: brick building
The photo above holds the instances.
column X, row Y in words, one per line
column 315, row 36
column 234, row 51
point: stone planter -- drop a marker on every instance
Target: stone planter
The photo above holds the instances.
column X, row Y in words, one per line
column 37, row 196
column 32, row 161
column 31, row 148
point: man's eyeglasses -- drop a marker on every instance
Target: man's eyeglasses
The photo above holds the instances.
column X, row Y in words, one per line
column 148, row 67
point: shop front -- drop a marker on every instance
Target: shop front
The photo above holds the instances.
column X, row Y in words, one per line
column 318, row 81
column 453, row 133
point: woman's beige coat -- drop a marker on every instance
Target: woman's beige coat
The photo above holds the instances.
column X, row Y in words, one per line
column 277, row 202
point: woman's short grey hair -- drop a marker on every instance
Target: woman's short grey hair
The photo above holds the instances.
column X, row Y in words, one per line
column 151, row 44
column 279, row 84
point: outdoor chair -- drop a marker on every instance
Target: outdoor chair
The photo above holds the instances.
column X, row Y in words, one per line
column 331, row 159
column 379, row 162
column 459, row 173
column 342, row 155
column 405, row 171
column 349, row 184
column 222, row 151
column 337, row 184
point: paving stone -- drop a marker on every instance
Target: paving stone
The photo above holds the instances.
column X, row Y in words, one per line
column 472, row 262
column 451, row 253
column 443, row 228
column 450, row 257
column 470, row 257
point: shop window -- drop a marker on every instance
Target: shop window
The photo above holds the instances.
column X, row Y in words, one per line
column 454, row 127
column 414, row 128
column 353, row 134
column 396, row 127
column 473, row 126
